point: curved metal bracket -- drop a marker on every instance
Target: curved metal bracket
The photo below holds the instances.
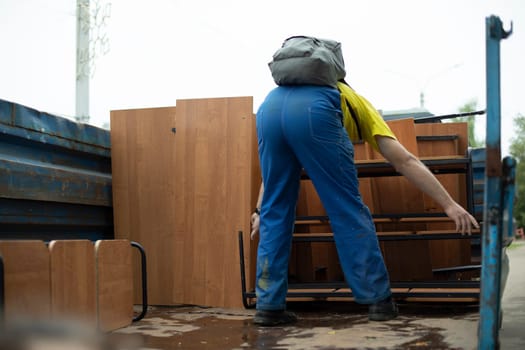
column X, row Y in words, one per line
column 496, row 28
column 506, row 34
column 144, row 282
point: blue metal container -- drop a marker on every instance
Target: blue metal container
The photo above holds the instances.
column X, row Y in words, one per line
column 55, row 177
column 477, row 160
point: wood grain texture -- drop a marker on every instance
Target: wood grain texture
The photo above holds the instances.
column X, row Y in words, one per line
column 213, row 196
column 143, row 170
column 455, row 184
column 396, row 195
column 26, row 280
column 73, row 281
column 114, row 284
column 446, row 253
column 185, row 195
column 405, row 260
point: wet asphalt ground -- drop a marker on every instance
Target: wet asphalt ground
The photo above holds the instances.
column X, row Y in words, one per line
column 333, row 325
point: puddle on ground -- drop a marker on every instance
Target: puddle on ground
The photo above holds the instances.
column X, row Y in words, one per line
column 320, row 326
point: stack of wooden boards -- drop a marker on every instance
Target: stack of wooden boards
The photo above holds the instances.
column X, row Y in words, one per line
column 68, row 281
column 186, row 180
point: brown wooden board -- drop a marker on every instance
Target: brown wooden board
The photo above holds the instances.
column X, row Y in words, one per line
column 250, row 249
column 455, row 184
column 444, row 129
column 213, row 196
column 405, row 260
column 143, row 176
column 26, row 281
column 73, row 281
column 114, row 284
column 185, row 182
column 446, row 253
column 395, row 195
column 362, row 151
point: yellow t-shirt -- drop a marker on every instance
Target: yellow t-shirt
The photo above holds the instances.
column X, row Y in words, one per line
column 370, row 121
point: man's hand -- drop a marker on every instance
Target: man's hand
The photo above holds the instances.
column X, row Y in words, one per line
column 255, row 220
column 464, row 221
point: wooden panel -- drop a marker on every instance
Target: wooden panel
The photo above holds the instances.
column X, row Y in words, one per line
column 114, row 284
column 26, row 280
column 396, row 195
column 250, row 249
column 73, row 280
column 405, row 260
column 185, row 193
column 443, row 129
column 143, row 170
column 446, row 253
column 362, row 151
column 454, row 183
column 213, row 197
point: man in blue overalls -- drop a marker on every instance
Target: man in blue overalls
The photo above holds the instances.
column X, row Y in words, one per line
column 303, row 127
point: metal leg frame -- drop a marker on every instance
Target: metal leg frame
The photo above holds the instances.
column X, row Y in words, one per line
column 331, row 289
column 144, row 282
column 245, row 295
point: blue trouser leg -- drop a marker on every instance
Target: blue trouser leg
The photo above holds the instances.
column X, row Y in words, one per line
column 331, row 168
column 324, row 149
column 281, row 175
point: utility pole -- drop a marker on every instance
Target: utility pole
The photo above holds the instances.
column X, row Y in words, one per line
column 83, row 61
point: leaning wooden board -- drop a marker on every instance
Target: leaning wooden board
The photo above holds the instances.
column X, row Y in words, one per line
column 185, row 182
column 114, row 284
column 142, row 154
column 26, row 280
column 73, row 281
column 214, row 174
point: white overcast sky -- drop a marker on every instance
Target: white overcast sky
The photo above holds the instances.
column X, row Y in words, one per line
column 164, row 50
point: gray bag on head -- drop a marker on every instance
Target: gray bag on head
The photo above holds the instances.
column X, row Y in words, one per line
column 305, row 60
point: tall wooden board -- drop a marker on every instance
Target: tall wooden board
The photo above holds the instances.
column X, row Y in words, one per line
column 143, row 176
column 213, row 197
column 185, row 182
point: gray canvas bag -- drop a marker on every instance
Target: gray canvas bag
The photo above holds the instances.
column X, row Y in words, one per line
column 304, row 60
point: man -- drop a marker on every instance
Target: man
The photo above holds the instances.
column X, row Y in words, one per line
column 304, row 126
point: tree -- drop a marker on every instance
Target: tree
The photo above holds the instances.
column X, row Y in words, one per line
column 470, row 106
column 517, row 150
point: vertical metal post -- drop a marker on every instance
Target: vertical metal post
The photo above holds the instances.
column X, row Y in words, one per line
column 245, row 301
column 83, row 60
column 490, row 295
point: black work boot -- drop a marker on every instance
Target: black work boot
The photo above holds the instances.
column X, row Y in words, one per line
column 270, row 318
column 383, row 311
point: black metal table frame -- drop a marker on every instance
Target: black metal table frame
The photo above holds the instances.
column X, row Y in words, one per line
column 376, row 169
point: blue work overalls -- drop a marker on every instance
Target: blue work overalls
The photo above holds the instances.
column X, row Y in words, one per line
column 301, row 127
